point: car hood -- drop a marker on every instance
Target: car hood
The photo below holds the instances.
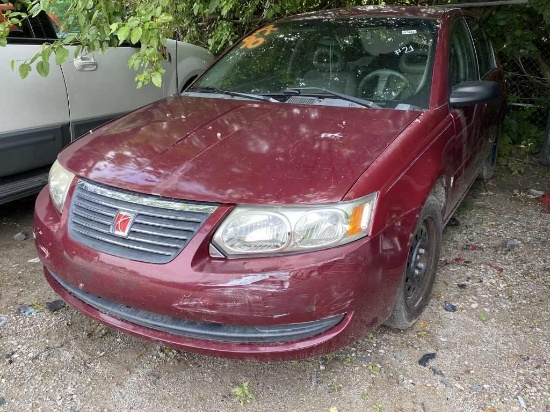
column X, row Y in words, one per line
column 237, row 151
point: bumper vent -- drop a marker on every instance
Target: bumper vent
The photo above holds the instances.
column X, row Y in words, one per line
column 133, row 226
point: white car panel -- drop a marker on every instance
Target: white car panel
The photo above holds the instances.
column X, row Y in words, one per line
column 40, row 115
column 192, row 61
column 101, row 86
column 31, row 123
column 45, row 100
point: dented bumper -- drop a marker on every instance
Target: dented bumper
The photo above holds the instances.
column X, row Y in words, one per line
column 271, row 308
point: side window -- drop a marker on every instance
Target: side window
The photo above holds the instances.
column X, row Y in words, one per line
column 484, row 49
column 42, row 27
column 34, row 30
column 463, row 65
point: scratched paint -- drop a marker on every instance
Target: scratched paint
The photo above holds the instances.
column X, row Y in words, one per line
column 45, row 251
column 333, row 136
column 247, row 280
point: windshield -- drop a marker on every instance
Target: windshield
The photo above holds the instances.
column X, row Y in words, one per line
column 387, row 61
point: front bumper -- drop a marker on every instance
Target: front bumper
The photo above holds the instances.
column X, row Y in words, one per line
column 273, row 308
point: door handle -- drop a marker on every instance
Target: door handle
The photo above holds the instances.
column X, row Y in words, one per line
column 85, row 63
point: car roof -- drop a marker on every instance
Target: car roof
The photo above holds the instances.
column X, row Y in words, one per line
column 379, row 11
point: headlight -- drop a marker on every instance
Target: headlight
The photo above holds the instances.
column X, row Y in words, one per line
column 251, row 230
column 59, row 181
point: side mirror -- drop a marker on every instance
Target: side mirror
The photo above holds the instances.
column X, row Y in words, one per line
column 471, row 93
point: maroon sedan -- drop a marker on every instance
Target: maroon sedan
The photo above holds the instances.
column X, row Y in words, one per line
column 289, row 201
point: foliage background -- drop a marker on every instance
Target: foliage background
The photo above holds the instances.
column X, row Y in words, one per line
column 520, row 34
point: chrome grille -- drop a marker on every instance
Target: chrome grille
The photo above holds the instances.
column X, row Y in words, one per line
column 160, row 230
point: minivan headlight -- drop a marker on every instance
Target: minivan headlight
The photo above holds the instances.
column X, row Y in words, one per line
column 59, row 181
column 267, row 230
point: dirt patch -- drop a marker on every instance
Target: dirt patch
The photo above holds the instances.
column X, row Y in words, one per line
column 488, row 324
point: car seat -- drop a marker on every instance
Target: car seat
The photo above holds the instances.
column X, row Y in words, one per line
column 330, row 71
column 414, row 66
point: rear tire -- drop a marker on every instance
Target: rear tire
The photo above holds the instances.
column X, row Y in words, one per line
column 488, row 168
column 545, row 152
column 416, row 286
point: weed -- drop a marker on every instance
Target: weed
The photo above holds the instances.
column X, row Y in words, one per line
column 336, row 387
column 329, row 356
column 464, row 207
column 347, row 361
column 374, row 368
column 365, row 396
column 482, row 315
column 371, row 337
column 242, row 394
column 377, row 408
column 422, row 333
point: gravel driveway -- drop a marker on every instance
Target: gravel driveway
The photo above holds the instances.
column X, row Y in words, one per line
column 489, row 350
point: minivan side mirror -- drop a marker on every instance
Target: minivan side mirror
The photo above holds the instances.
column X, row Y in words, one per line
column 476, row 92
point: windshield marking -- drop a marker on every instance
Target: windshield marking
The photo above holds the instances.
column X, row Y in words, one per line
column 253, row 41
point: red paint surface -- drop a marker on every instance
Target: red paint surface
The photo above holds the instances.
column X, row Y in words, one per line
column 545, row 203
column 229, row 151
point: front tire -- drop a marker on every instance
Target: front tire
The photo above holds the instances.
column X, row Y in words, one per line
column 418, row 279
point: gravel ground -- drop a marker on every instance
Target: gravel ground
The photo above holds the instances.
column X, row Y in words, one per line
column 491, row 354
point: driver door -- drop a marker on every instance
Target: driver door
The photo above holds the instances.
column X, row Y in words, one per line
column 467, row 120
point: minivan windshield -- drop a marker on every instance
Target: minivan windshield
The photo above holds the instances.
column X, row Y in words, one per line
column 386, row 61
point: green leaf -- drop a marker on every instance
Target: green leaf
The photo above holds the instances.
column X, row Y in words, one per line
column 3, row 41
column 24, row 70
column 145, row 37
column 133, row 22
column 61, row 55
column 482, row 316
column 214, row 4
column 165, row 18
column 46, row 53
column 157, row 79
column 43, row 68
column 69, row 39
column 123, row 33
column 12, row 65
column 35, row 58
column 136, row 35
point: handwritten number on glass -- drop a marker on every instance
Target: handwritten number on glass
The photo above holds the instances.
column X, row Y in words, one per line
column 258, row 37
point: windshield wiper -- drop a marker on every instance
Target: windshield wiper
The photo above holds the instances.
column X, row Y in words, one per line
column 230, row 93
column 359, row 101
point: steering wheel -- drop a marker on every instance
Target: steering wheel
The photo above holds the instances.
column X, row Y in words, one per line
column 390, row 84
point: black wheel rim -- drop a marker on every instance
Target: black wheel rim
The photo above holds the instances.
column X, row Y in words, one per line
column 420, row 265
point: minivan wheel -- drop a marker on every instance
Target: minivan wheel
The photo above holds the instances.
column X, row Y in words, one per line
column 419, row 275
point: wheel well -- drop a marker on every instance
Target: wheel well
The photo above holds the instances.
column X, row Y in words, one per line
column 188, row 83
